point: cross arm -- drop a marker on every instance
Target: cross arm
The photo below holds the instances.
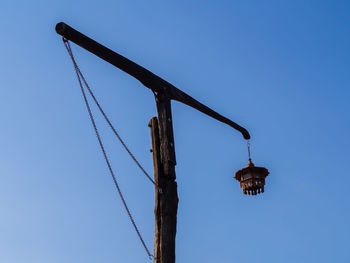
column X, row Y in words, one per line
column 181, row 96
column 146, row 77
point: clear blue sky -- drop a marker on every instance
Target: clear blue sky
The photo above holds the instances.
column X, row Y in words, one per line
column 279, row 68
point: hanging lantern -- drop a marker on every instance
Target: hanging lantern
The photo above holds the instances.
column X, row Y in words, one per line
column 252, row 178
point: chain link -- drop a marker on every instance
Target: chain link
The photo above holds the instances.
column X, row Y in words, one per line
column 80, row 79
column 248, row 145
column 109, row 122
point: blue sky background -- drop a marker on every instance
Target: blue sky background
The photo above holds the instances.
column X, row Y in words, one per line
column 278, row 68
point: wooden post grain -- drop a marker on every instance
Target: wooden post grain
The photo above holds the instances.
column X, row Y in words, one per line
column 166, row 198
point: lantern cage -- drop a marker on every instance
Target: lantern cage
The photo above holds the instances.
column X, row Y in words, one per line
column 252, row 178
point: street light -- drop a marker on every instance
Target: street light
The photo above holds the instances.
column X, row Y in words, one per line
column 166, row 198
column 252, row 178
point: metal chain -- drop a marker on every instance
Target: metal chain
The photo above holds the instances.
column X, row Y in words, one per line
column 80, row 77
column 109, row 122
column 248, row 145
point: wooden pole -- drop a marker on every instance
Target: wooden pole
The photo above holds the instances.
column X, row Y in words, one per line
column 162, row 137
column 166, row 198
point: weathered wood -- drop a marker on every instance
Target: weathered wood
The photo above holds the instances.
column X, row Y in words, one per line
column 164, row 171
column 146, row 77
column 153, row 124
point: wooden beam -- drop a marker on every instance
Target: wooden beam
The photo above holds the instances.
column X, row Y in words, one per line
column 146, row 77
